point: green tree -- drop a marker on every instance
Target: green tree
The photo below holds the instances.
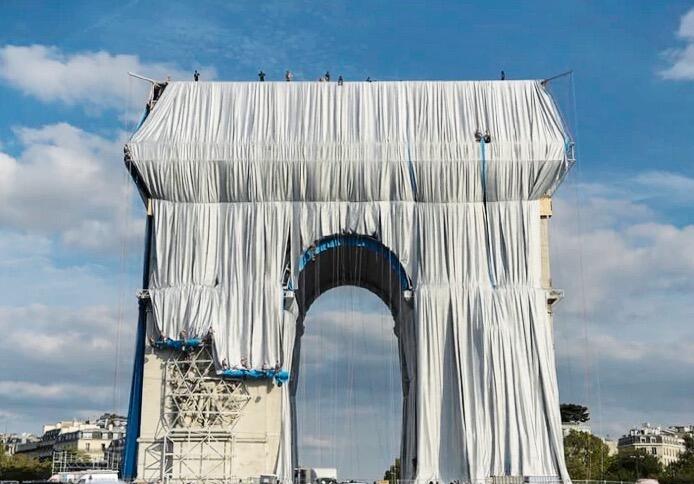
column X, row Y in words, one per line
column 21, row 468
column 78, row 456
column 393, row 474
column 682, row 471
column 587, row 457
column 573, row 413
column 633, row 465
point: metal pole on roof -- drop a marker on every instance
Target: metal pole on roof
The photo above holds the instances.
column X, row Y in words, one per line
column 545, row 81
column 138, row 76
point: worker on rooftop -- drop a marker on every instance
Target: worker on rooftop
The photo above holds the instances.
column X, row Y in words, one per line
column 196, row 75
column 327, row 76
column 340, row 80
column 261, row 76
column 288, row 76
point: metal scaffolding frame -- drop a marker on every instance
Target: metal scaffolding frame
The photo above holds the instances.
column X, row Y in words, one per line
column 64, row 461
column 199, row 411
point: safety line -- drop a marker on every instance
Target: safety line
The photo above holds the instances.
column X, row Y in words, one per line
column 490, row 260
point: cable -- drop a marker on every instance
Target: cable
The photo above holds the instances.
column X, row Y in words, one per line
column 483, row 176
column 584, row 312
column 127, row 192
column 584, row 305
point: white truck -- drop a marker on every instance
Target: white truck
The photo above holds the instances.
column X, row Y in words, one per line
column 325, row 475
column 315, row 475
column 102, row 477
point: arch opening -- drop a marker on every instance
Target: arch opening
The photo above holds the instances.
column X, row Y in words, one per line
column 360, row 261
column 349, row 396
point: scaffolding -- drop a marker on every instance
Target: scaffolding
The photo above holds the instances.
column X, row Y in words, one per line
column 70, row 461
column 199, row 411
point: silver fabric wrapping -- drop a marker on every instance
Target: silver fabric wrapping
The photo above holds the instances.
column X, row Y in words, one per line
column 241, row 171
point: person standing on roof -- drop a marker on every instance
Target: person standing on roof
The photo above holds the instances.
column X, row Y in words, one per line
column 196, row 75
column 261, row 76
column 288, row 76
column 327, row 76
column 340, row 80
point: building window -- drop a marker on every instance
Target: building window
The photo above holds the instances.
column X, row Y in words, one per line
column 654, row 450
column 87, row 446
column 103, row 446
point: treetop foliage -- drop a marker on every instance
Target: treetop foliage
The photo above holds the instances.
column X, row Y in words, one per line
column 573, row 413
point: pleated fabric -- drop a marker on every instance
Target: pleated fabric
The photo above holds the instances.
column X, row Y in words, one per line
column 245, row 177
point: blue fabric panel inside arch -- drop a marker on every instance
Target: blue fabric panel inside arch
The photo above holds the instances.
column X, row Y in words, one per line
column 357, row 241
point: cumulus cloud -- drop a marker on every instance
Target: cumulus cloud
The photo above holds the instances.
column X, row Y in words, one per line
column 21, row 390
column 68, row 327
column 681, row 59
column 94, row 80
column 664, row 184
column 349, row 384
column 59, row 362
column 623, row 330
column 368, row 331
column 33, row 271
column 317, row 443
column 623, row 247
column 69, row 182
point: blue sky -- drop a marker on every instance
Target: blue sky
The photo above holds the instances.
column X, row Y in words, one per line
column 71, row 226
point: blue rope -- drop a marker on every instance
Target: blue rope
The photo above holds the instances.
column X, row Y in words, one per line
column 411, row 170
column 483, row 167
column 483, row 159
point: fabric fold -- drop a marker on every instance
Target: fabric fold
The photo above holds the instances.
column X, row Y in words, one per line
column 248, row 177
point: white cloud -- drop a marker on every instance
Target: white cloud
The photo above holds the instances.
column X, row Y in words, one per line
column 94, row 80
column 682, row 59
column 367, row 332
column 59, row 362
column 50, row 332
column 349, row 385
column 619, row 254
column 4, row 416
column 686, row 30
column 67, row 325
column 666, row 184
column 32, row 271
column 27, row 390
column 69, row 182
column 623, row 330
column 313, row 442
